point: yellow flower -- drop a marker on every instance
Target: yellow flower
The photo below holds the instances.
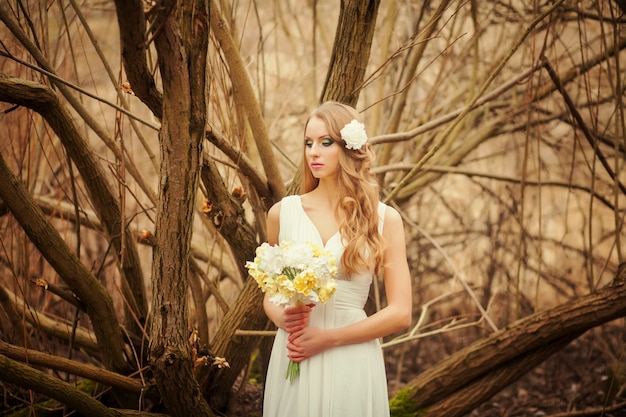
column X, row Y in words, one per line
column 268, row 285
column 333, row 266
column 285, row 286
column 316, row 249
column 253, row 270
column 327, row 291
column 304, row 282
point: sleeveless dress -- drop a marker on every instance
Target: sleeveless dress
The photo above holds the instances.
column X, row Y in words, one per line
column 344, row 381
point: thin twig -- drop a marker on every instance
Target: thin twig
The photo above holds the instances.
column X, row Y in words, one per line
column 471, row 103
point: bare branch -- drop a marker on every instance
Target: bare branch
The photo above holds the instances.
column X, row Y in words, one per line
column 58, row 329
column 582, row 125
column 257, row 180
column 7, row 18
column 132, row 26
column 246, row 98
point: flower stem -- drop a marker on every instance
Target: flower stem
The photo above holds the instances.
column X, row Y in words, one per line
column 293, row 370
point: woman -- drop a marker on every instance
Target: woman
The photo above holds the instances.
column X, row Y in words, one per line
column 342, row 372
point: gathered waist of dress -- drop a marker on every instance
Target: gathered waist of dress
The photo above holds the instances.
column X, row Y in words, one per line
column 351, row 295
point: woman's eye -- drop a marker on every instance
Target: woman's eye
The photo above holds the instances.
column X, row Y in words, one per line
column 327, row 142
column 308, row 143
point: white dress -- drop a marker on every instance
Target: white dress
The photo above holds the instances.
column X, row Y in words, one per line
column 345, row 381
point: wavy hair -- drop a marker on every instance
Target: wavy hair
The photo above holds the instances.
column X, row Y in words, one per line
column 358, row 206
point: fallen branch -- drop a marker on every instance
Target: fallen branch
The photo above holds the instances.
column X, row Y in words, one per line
column 34, row 357
column 23, row 375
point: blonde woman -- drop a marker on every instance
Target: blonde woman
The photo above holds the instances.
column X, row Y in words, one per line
column 342, row 371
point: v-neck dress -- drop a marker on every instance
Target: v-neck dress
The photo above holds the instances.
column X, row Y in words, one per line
column 344, row 381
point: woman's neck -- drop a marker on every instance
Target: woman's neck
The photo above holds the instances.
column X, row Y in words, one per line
column 327, row 191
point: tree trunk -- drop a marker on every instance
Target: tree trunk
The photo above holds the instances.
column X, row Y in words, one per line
column 181, row 136
column 351, row 51
column 36, row 358
column 67, row 394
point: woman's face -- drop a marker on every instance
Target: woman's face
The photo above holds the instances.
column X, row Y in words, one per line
column 321, row 151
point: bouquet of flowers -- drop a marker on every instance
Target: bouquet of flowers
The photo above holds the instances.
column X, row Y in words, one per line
column 294, row 274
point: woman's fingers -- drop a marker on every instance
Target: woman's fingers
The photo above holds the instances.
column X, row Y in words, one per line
column 296, row 353
column 295, row 324
column 306, row 343
column 296, row 318
column 295, row 327
column 299, row 309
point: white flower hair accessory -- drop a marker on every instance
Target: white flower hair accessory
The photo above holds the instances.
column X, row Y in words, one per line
column 354, row 134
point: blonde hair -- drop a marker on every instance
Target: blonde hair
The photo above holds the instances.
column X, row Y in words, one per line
column 358, row 206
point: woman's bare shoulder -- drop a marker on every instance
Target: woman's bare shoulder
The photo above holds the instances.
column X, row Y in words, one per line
column 274, row 211
column 273, row 223
column 392, row 219
column 392, row 214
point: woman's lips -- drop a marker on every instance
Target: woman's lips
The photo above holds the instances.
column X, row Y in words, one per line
column 316, row 165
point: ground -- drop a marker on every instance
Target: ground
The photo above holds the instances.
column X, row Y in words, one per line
column 571, row 383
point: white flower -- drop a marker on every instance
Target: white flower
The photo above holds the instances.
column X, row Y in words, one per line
column 354, row 134
column 276, row 270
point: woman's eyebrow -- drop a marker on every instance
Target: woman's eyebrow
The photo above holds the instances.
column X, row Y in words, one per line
column 320, row 137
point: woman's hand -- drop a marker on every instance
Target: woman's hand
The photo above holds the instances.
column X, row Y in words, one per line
column 290, row 319
column 306, row 343
column 296, row 318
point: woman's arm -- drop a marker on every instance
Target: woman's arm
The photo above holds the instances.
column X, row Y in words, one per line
column 290, row 319
column 395, row 316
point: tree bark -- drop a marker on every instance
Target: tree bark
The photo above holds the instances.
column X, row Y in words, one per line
column 228, row 216
column 246, row 313
column 132, row 24
column 181, row 136
column 478, row 391
column 351, row 51
column 36, row 358
column 27, row 377
column 458, row 384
